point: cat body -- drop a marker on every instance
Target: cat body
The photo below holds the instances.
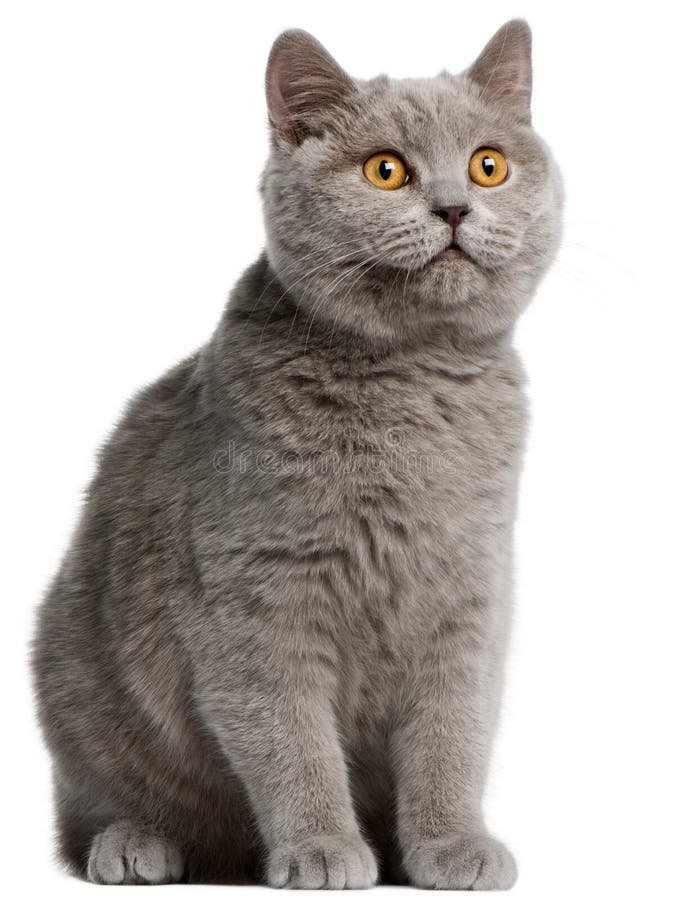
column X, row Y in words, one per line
column 274, row 648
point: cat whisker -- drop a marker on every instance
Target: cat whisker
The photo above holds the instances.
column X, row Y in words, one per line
column 327, row 294
column 307, row 274
column 346, row 294
column 298, row 306
column 295, row 262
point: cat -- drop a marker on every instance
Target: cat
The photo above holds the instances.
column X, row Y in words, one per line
column 274, row 649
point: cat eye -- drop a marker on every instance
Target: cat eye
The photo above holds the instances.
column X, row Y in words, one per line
column 488, row 168
column 386, row 171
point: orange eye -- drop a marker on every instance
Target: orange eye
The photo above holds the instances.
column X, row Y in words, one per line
column 488, row 168
column 386, row 171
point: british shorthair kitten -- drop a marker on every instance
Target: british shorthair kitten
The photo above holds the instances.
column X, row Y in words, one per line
column 274, row 648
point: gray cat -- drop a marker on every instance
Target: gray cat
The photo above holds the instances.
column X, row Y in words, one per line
column 274, row 648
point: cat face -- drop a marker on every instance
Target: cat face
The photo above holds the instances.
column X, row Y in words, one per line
column 393, row 206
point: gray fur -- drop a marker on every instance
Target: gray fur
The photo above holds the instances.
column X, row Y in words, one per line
column 274, row 647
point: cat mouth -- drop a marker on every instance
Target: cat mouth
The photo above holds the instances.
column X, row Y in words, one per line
column 451, row 252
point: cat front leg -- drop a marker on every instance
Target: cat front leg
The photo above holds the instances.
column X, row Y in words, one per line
column 440, row 749
column 272, row 714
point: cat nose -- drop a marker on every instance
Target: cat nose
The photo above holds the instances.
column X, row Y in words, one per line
column 453, row 215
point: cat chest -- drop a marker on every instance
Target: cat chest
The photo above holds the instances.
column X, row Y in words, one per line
column 395, row 445
column 409, row 483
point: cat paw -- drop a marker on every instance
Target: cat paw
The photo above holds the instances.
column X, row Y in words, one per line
column 124, row 854
column 462, row 862
column 324, row 861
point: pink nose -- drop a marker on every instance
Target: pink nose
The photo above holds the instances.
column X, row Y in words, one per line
column 453, row 215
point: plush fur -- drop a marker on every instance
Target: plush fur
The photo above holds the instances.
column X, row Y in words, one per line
column 274, row 647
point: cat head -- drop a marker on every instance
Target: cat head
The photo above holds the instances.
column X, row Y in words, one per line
column 395, row 206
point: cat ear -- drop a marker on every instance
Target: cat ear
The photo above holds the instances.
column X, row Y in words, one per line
column 503, row 71
column 303, row 84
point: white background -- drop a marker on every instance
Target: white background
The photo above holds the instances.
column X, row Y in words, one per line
column 133, row 135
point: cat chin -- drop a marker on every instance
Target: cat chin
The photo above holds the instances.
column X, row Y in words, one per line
column 452, row 277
